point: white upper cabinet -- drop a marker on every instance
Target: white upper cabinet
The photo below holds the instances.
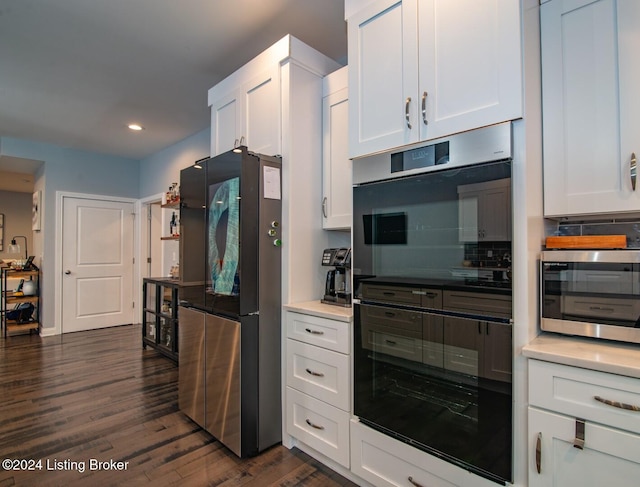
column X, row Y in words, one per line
column 336, row 165
column 249, row 115
column 590, row 64
column 422, row 69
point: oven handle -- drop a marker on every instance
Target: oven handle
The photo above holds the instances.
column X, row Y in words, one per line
column 413, row 482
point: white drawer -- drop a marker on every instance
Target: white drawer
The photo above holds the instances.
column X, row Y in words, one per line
column 573, row 391
column 384, row 461
column 322, row 427
column 319, row 372
column 331, row 334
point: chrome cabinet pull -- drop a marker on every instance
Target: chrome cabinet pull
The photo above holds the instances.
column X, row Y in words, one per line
column 633, row 171
column 316, row 374
column 616, row 404
column 413, row 482
column 316, row 426
column 314, row 332
column 424, row 108
column 324, row 207
column 406, row 111
column 539, row 453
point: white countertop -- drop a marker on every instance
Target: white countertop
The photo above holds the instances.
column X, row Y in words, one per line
column 316, row 308
column 590, row 353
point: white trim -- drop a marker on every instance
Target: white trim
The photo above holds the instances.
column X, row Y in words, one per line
column 60, row 196
column 142, row 234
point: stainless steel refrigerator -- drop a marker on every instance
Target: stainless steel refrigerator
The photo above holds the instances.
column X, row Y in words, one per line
column 229, row 315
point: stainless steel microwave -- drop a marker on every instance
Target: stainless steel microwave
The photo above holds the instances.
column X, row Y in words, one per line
column 593, row 293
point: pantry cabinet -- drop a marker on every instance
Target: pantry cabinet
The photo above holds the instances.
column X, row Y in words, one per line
column 423, row 69
column 590, row 65
column 584, row 427
column 248, row 115
column 336, row 165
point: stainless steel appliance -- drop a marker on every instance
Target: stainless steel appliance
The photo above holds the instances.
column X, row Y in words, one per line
column 337, row 285
column 229, row 315
column 593, row 293
column 431, row 267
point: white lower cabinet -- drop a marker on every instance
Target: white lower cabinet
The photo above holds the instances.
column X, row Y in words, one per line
column 384, row 461
column 584, row 427
column 318, row 378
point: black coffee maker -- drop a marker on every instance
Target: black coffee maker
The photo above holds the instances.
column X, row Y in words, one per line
column 337, row 288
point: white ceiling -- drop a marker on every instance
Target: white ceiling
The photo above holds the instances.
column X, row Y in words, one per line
column 74, row 73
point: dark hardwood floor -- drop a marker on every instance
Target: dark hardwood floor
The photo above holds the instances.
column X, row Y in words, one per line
column 98, row 395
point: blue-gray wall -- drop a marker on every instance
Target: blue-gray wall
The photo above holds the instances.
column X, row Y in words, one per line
column 84, row 172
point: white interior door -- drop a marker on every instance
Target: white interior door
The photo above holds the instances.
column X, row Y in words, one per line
column 97, row 264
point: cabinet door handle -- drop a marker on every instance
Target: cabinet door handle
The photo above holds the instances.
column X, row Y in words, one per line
column 316, row 426
column 314, row 332
column 616, row 404
column 413, row 482
column 539, row 453
column 600, row 308
column 424, row 108
column 316, row 374
column 633, row 170
column 406, row 111
column 324, row 207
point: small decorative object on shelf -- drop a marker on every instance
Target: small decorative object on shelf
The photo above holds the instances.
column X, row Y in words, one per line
column 173, row 195
column 160, row 315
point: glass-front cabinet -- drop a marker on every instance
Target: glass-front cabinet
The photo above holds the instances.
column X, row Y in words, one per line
column 160, row 315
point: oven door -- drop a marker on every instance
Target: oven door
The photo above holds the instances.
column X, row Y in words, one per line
column 426, row 379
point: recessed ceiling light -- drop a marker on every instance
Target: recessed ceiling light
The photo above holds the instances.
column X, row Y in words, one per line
column 135, row 126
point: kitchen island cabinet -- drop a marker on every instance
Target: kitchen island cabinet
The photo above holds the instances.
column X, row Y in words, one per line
column 590, row 104
column 414, row 77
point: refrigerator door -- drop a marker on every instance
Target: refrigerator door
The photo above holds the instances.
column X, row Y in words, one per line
column 191, row 363
column 222, row 379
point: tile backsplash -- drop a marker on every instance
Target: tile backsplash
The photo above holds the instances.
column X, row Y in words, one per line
column 488, row 254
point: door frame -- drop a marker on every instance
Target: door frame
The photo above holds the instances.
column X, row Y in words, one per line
column 60, row 196
column 142, row 237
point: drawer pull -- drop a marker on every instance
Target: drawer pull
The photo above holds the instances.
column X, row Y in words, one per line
column 539, row 453
column 317, row 374
column 314, row 332
column 413, row 482
column 389, row 314
column 616, row 404
column 432, row 295
column 388, row 293
column 578, row 441
column 391, row 342
column 601, row 308
column 316, row 426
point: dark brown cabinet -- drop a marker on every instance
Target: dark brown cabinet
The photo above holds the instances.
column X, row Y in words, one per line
column 160, row 315
column 20, row 306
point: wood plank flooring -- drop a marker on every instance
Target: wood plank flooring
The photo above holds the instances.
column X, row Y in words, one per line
column 98, row 395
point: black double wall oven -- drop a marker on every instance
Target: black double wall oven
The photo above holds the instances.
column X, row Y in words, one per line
column 433, row 304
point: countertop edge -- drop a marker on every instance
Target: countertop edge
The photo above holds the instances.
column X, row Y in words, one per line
column 600, row 355
column 321, row 310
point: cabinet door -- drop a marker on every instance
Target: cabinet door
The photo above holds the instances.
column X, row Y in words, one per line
column 249, row 116
column 336, row 165
column 589, row 64
column 470, row 65
column 495, row 215
column 261, row 113
column 610, row 456
column 462, row 339
column 468, row 217
column 383, row 77
column 496, row 354
column 226, row 122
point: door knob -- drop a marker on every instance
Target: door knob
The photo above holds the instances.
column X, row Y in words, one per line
column 67, row 272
